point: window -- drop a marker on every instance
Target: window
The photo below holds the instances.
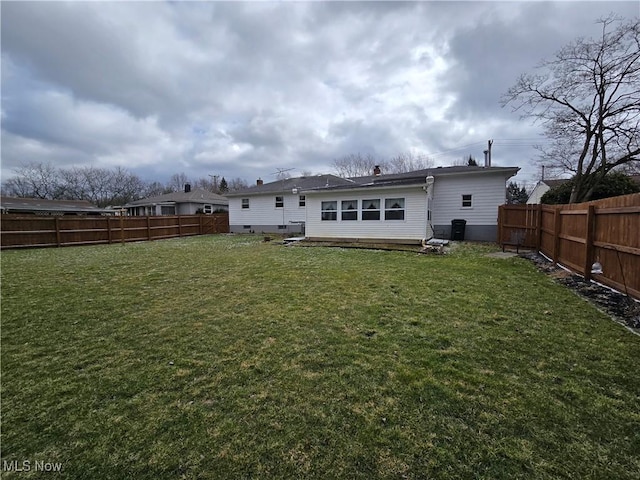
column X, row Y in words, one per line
column 349, row 210
column 245, row 203
column 246, row 227
column 371, row 209
column 282, row 227
column 466, row 201
column 302, row 201
column 394, row 209
column 208, row 209
column 167, row 210
column 279, row 202
column 329, row 210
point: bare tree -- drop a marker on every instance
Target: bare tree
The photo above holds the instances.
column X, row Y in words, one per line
column 154, row 189
column 205, row 184
column 237, row 183
column 177, row 182
column 408, row 162
column 588, row 100
column 34, row 180
column 100, row 186
column 357, row 165
column 466, row 161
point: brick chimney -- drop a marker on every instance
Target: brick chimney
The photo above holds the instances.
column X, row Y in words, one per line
column 259, row 181
column 187, row 187
column 376, row 170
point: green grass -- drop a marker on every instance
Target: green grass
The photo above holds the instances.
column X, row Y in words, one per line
column 226, row 357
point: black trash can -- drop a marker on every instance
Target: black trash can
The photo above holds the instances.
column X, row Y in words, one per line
column 457, row 229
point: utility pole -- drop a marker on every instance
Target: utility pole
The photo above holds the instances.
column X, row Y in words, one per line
column 215, row 183
column 489, row 143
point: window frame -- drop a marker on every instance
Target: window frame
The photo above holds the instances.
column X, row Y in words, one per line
column 391, row 212
column 349, row 212
column 468, row 200
column 327, row 213
column 370, row 212
column 279, row 203
column 245, row 203
column 302, row 200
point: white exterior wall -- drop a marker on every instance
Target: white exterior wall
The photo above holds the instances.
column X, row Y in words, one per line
column 412, row 228
column 488, row 192
column 262, row 213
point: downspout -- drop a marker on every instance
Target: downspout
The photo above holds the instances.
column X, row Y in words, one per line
column 428, row 188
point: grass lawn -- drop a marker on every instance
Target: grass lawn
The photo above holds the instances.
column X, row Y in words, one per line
column 226, row 357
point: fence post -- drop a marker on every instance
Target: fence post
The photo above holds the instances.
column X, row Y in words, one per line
column 149, row 228
column 538, row 227
column 57, row 221
column 500, row 220
column 556, row 235
column 109, row 239
column 588, row 253
column 200, row 222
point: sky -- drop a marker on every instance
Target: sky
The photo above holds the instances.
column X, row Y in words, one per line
column 247, row 89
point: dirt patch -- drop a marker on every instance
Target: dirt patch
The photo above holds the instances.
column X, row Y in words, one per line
column 618, row 306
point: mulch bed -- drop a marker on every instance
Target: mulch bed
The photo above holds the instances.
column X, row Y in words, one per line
column 621, row 308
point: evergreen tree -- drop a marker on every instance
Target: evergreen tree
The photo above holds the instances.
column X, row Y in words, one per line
column 223, row 187
column 516, row 194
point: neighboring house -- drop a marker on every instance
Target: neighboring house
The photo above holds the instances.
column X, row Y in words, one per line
column 188, row 202
column 39, row 206
column 409, row 207
column 275, row 207
column 542, row 187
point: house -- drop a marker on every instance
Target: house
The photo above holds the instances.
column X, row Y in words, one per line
column 409, row 207
column 40, row 206
column 542, row 187
column 188, row 202
column 406, row 207
column 275, row 207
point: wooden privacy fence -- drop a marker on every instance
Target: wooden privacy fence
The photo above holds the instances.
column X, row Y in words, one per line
column 578, row 235
column 19, row 231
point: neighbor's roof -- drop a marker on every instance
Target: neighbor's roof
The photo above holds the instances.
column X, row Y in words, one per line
column 418, row 177
column 12, row 204
column 288, row 184
column 560, row 181
column 197, row 195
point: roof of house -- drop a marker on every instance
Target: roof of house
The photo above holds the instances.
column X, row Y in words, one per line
column 560, row 181
column 418, row 177
column 197, row 195
column 555, row 183
column 12, row 204
column 288, row 184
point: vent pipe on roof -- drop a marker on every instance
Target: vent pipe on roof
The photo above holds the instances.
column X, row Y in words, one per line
column 259, row 181
column 487, row 154
column 376, row 170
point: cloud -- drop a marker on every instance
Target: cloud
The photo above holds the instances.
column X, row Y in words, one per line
column 241, row 89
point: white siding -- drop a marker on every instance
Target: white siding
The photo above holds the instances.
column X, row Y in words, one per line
column 536, row 195
column 488, row 192
column 262, row 210
column 413, row 227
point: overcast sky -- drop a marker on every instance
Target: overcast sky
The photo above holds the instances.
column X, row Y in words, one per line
column 244, row 89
